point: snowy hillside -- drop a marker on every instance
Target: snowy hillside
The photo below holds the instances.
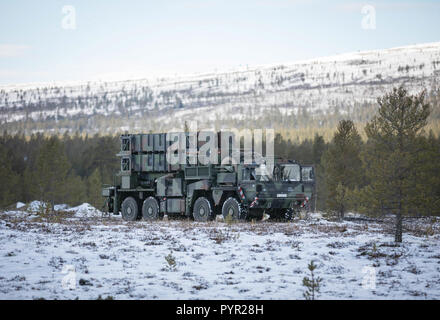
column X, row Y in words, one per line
column 77, row 253
column 313, row 86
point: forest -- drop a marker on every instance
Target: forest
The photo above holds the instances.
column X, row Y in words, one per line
column 390, row 165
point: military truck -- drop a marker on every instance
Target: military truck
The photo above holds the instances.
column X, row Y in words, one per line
column 149, row 185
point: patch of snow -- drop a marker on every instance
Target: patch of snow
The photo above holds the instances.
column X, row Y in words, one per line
column 36, row 205
column 85, row 210
column 354, row 215
column 314, row 215
column 60, row 207
column 20, row 205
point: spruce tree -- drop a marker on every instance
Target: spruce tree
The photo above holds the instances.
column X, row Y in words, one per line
column 9, row 180
column 51, row 172
column 426, row 176
column 94, row 186
column 318, row 148
column 320, row 192
column 75, row 192
column 342, row 165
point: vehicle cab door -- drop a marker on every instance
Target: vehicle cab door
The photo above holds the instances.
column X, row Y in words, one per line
column 307, row 174
column 247, row 181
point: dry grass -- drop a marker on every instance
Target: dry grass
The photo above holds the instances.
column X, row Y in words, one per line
column 214, row 230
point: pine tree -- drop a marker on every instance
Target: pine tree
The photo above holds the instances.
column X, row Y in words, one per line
column 391, row 156
column 342, row 165
column 312, row 284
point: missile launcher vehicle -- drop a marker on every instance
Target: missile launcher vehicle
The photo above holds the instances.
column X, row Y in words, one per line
column 166, row 174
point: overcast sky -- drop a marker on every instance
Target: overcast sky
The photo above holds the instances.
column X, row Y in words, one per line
column 50, row 40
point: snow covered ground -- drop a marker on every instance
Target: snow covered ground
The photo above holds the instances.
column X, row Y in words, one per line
column 78, row 253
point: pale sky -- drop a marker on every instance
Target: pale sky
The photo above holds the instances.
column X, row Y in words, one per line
column 126, row 39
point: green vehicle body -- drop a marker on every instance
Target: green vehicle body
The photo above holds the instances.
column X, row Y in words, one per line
column 148, row 187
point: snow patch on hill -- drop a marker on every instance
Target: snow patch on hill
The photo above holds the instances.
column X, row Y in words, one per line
column 315, row 85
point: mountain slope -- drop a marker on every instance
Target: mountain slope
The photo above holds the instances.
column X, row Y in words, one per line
column 310, row 90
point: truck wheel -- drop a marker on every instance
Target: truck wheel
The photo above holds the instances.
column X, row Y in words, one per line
column 202, row 210
column 233, row 208
column 256, row 214
column 129, row 209
column 150, row 209
column 289, row 214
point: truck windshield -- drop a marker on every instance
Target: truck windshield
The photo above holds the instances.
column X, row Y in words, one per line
column 259, row 173
column 290, row 172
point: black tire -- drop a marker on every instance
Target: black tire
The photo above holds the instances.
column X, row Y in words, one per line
column 232, row 207
column 256, row 214
column 278, row 215
column 202, row 210
column 289, row 214
column 150, row 209
column 129, row 209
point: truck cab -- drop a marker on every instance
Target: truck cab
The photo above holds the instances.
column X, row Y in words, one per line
column 301, row 179
column 279, row 192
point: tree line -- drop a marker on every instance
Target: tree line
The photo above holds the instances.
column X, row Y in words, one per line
column 395, row 169
column 66, row 169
